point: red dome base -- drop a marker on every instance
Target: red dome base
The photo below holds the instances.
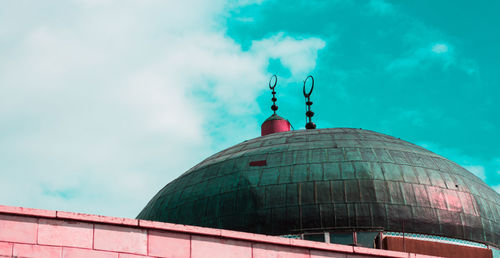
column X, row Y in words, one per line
column 275, row 124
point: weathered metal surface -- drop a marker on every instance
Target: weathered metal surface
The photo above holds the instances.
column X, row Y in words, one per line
column 328, row 180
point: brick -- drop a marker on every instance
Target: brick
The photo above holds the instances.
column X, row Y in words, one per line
column 203, row 246
column 255, row 237
column 120, row 239
column 169, row 244
column 135, row 256
column 35, row 251
column 27, row 211
column 357, row 256
column 180, row 228
column 424, row 256
column 69, row 252
column 96, row 218
column 321, row 246
column 324, row 254
column 65, row 233
column 379, row 252
column 5, row 249
column 271, row 251
column 18, row 229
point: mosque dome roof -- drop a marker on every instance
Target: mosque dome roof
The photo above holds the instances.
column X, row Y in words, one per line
column 274, row 117
column 331, row 179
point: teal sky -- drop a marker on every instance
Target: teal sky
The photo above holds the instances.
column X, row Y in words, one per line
column 104, row 102
column 423, row 71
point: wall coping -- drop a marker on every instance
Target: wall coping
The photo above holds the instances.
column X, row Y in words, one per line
column 195, row 230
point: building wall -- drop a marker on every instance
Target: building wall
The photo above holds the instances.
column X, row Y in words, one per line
column 28, row 232
column 435, row 248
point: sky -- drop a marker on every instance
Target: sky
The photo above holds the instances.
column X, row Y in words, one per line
column 104, row 102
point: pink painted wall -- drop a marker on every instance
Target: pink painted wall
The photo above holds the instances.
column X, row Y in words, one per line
column 28, row 232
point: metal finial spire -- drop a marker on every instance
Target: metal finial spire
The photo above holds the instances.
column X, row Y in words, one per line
column 309, row 113
column 273, row 107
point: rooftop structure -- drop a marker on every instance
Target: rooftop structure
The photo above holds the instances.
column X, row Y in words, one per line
column 26, row 232
column 337, row 185
column 347, row 186
column 331, row 180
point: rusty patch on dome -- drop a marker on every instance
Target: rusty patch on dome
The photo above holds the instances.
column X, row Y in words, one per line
column 258, row 163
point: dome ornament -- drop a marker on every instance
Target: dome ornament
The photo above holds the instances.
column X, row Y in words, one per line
column 273, row 107
column 312, row 87
column 275, row 81
column 307, row 96
column 275, row 123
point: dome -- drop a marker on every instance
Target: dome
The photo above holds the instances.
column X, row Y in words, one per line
column 331, row 179
column 274, row 124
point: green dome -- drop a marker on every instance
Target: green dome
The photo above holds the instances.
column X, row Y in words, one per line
column 331, row 179
column 274, row 117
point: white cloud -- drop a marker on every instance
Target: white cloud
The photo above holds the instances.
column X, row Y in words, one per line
column 423, row 57
column 297, row 54
column 439, row 48
column 103, row 102
column 428, row 55
column 425, row 47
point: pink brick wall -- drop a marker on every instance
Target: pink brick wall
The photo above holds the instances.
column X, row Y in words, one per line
column 18, row 229
column 65, row 233
column 5, row 249
column 39, row 233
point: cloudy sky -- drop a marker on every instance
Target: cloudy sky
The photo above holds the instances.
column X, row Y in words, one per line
column 104, row 102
